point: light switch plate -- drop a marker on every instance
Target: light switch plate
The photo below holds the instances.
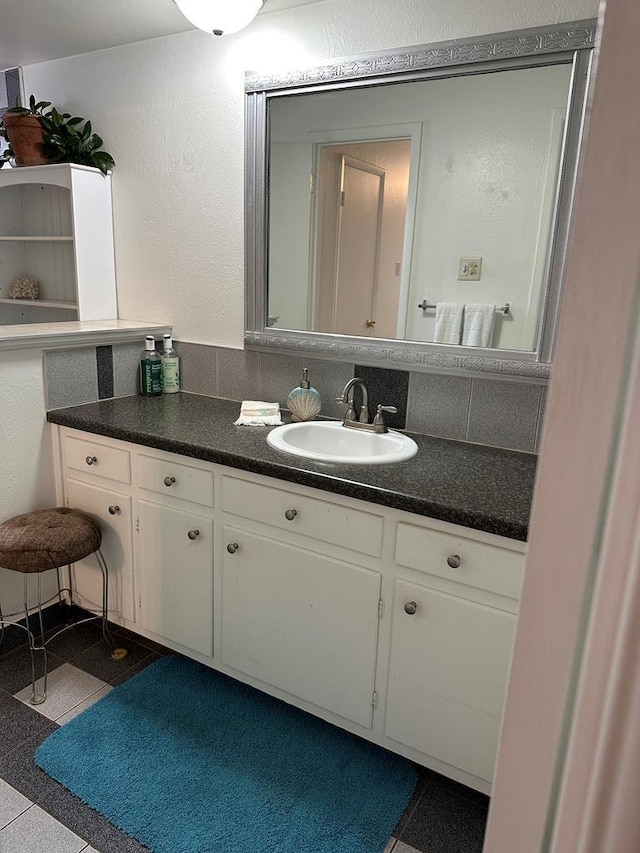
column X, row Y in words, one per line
column 469, row 269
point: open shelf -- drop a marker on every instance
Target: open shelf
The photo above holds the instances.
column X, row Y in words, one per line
column 36, row 239
column 56, row 226
column 42, row 303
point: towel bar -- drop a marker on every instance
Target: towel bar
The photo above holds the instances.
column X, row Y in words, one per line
column 501, row 309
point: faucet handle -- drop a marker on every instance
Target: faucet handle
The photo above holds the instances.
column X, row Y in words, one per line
column 378, row 420
column 350, row 414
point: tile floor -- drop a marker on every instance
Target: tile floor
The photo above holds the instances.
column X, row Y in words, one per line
column 37, row 815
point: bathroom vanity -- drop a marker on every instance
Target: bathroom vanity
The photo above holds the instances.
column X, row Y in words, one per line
column 380, row 598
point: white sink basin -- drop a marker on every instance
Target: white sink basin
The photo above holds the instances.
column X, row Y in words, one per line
column 329, row 441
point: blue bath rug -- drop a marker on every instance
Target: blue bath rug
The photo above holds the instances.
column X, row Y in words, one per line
column 187, row 760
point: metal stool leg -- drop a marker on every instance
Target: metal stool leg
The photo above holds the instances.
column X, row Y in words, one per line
column 116, row 653
column 36, row 698
column 61, row 589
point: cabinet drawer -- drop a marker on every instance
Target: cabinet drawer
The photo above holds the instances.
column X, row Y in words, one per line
column 317, row 519
column 102, row 460
column 176, row 480
column 459, row 559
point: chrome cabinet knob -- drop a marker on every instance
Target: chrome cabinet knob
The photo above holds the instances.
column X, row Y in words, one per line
column 410, row 608
column 290, row 514
column 91, row 460
column 114, row 509
column 169, row 481
column 453, row 561
column 232, row 547
column 193, row 534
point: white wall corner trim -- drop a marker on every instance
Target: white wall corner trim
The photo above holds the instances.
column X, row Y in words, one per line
column 559, row 759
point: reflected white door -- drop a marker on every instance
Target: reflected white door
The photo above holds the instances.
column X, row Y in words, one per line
column 359, row 245
column 359, row 226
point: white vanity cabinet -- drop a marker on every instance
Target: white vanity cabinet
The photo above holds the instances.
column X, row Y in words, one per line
column 56, row 225
column 453, row 622
column 113, row 511
column 96, row 477
column 294, row 617
column 302, row 622
column 176, row 575
column 175, row 551
column 393, row 626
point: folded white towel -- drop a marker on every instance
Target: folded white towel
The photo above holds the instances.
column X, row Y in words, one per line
column 477, row 328
column 257, row 413
column 448, row 323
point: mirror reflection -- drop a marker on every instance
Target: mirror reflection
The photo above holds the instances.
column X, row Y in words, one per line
column 418, row 211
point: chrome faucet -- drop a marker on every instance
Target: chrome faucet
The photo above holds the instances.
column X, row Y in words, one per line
column 352, row 420
column 351, row 416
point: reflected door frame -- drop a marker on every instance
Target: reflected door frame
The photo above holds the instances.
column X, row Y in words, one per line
column 348, row 294
column 380, row 133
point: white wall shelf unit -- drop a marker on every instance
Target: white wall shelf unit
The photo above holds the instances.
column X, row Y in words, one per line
column 56, row 225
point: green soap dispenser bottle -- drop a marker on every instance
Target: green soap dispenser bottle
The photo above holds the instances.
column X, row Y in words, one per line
column 150, row 369
column 304, row 402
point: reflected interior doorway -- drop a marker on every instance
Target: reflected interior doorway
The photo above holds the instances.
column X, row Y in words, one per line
column 360, row 236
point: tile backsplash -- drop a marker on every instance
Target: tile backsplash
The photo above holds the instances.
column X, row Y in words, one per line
column 484, row 410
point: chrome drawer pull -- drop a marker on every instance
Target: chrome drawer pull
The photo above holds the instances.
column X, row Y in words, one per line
column 232, row 547
column 169, row 481
column 454, row 561
column 410, row 608
column 193, row 534
column 92, row 460
column 290, row 514
column 114, row 509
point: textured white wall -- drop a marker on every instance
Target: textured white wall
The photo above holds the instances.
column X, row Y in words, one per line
column 171, row 113
column 25, row 452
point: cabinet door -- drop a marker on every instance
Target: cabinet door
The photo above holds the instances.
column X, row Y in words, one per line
column 447, row 676
column 113, row 512
column 301, row 622
column 175, row 575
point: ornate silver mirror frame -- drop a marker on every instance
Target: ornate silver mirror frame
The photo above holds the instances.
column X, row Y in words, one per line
column 570, row 43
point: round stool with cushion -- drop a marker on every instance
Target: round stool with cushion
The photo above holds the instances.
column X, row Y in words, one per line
column 46, row 539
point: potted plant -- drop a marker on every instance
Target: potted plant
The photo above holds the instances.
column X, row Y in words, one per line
column 23, row 129
column 39, row 135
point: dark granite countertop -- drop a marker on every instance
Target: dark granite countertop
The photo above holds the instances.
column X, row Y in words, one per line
column 469, row 484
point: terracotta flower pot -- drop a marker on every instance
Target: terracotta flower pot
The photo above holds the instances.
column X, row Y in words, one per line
column 26, row 137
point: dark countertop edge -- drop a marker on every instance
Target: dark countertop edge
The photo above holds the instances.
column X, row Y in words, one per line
column 301, row 476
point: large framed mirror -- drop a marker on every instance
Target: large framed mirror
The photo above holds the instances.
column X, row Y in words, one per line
column 413, row 206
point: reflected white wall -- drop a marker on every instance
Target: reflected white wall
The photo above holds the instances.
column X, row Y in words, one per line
column 485, row 187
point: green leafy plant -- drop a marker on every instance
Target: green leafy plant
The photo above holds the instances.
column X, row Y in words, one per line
column 71, row 140
column 67, row 139
column 34, row 108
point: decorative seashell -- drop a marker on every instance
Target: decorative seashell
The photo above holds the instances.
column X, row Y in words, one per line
column 303, row 406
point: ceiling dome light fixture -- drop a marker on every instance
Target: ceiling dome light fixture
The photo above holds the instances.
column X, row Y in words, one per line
column 220, row 17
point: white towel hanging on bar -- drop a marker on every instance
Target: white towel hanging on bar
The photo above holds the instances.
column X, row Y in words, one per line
column 448, row 323
column 477, row 326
